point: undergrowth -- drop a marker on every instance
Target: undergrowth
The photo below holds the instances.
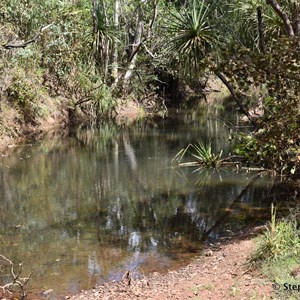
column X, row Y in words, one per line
column 278, row 254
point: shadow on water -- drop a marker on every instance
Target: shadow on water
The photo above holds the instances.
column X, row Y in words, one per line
column 81, row 209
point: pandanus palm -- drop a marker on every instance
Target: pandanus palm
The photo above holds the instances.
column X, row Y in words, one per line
column 104, row 34
column 244, row 12
column 192, row 36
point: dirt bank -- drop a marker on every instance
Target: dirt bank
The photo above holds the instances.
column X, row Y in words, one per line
column 222, row 272
column 14, row 131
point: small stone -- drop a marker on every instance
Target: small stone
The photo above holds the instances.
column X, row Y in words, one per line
column 47, row 292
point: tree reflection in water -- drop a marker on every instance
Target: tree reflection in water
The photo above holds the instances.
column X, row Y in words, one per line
column 99, row 200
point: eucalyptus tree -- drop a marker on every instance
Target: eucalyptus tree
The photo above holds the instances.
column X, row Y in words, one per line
column 114, row 72
column 140, row 22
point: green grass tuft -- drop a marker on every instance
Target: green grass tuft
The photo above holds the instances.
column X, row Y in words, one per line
column 278, row 254
column 281, row 240
column 203, row 154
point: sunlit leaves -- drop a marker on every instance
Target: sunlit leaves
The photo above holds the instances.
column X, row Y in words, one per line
column 193, row 35
column 277, row 144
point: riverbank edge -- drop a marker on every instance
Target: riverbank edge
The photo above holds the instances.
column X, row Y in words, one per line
column 222, row 271
column 17, row 133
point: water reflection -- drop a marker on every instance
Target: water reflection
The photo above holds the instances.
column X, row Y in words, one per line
column 81, row 209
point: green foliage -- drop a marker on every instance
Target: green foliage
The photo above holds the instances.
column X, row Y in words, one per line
column 276, row 142
column 281, row 240
column 96, row 97
column 203, row 153
column 193, row 35
column 244, row 28
column 104, row 102
column 22, row 92
column 277, row 70
column 74, row 56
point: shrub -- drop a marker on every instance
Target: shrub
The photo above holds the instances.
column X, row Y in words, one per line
column 24, row 92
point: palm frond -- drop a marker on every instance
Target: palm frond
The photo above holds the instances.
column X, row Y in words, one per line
column 193, row 35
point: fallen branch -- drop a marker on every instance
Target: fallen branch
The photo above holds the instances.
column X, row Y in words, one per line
column 16, row 279
column 9, row 45
column 256, row 169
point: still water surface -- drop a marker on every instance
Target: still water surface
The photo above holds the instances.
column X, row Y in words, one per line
column 82, row 208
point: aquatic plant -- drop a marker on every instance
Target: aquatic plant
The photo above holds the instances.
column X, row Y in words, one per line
column 204, row 154
column 202, row 151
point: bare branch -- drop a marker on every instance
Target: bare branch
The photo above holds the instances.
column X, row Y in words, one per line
column 16, row 279
column 149, row 52
column 9, row 45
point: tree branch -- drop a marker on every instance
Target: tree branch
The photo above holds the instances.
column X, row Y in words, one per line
column 9, row 45
column 155, row 11
column 149, row 52
column 281, row 13
column 235, row 97
column 16, row 279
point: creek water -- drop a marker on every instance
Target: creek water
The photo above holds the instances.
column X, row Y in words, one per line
column 81, row 208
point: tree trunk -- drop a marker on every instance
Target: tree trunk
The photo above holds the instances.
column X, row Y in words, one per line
column 235, row 97
column 114, row 71
column 297, row 29
column 136, row 46
column 280, row 12
column 107, row 44
column 95, row 21
column 262, row 45
column 154, row 16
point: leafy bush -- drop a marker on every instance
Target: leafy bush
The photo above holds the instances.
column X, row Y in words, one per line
column 25, row 91
column 276, row 142
column 276, row 145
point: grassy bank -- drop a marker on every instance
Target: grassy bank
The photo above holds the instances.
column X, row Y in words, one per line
column 278, row 255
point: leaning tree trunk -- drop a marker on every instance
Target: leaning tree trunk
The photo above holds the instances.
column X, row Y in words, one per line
column 281, row 13
column 135, row 48
column 236, row 97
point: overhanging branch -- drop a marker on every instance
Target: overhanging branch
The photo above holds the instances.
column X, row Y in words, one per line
column 9, row 45
column 281, row 13
column 235, row 97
